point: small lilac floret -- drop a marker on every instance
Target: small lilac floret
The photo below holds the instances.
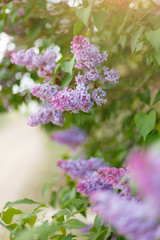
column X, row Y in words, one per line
column 109, row 75
column 45, row 91
column 99, row 96
column 86, row 54
column 45, row 115
column 74, row 100
column 91, row 184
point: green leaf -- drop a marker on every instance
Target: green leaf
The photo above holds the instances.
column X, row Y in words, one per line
column 69, row 237
column 97, row 222
column 5, row 226
column 139, row 46
column 52, row 201
column 7, row 215
column 130, row 132
column 56, row 71
column 78, row 202
column 77, row 27
column 67, row 66
column 33, row 32
column 157, row 98
column 99, row 19
column 66, row 80
column 145, row 122
column 135, row 37
column 154, row 38
column 145, row 97
column 21, row 201
column 83, row 14
column 74, row 224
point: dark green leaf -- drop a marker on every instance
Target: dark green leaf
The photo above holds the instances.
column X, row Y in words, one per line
column 157, row 97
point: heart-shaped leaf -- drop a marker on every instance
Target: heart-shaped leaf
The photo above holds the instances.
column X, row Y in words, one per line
column 99, row 19
column 83, row 14
column 145, row 122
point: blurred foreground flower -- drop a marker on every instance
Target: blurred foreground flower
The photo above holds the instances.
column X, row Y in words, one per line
column 136, row 220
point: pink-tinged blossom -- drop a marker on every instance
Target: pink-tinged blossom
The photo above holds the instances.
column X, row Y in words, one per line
column 130, row 218
column 45, row 91
column 91, row 184
column 86, row 55
column 20, row 12
column 81, row 168
column 109, row 75
column 71, row 137
column 99, row 96
column 113, row 176
column 146, row 170
column 92, row 74
column 45, row 115
column 28, row 58
column 31, row 60
column 74, row 100
column 156, row 2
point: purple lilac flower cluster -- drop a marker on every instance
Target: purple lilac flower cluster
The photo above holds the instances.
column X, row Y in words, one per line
column 31, row 60
column 113, row 176
column 45, row 115
column 135, row 219
column 95, row 175
column 105, row 179
column 81, row 168
column 71, row 137
column 86, row 92
column 91, row 184
column 88, row 83
column 73, row 100
column 45, row 91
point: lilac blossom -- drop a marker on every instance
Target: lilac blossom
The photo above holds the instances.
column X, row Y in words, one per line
column 45, row 91
column 99, row 96
column 146, row 170
column 28, row 58
column 113, row 176
column 74, row 100
column 91, row 184
column 71, row 137
column 31, row 60
column 130, row 218
column 109, row 75
column 45, row 115
column 86, row 55
column 81, row 168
